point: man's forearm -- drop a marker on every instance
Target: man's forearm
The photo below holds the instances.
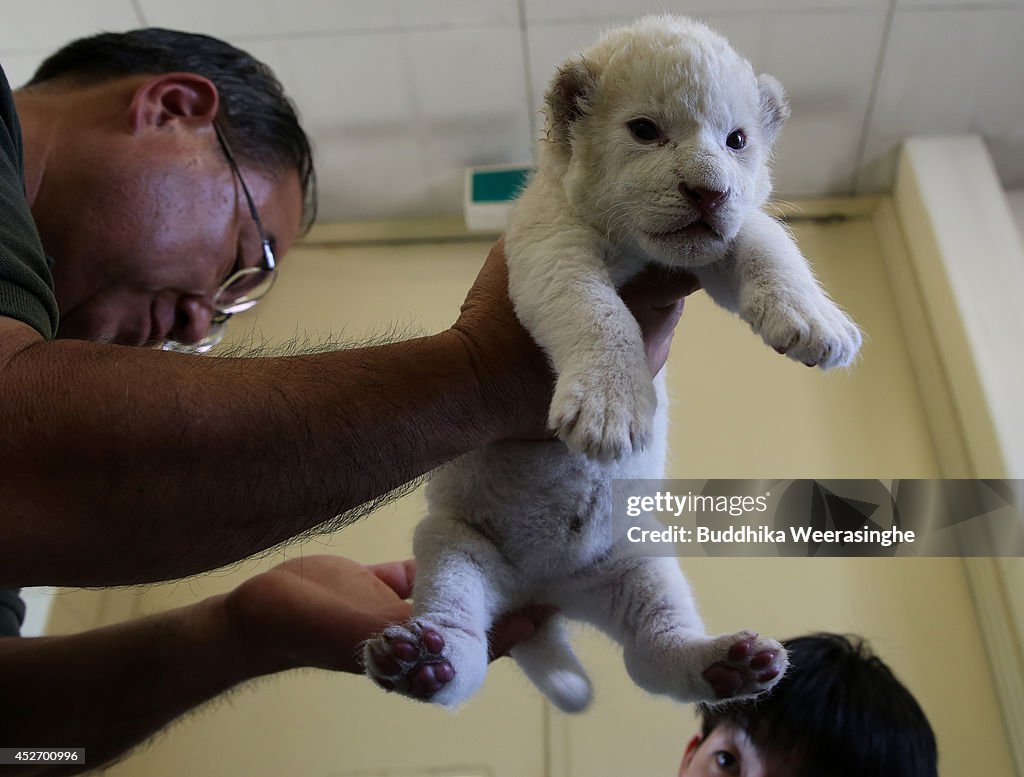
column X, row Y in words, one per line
column 122, row 465
column 109, row 689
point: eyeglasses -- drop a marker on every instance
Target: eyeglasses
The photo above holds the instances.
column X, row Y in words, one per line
column 244, row 287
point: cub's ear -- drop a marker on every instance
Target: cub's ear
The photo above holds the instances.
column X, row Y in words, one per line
column 568, row 97
column 774, row 105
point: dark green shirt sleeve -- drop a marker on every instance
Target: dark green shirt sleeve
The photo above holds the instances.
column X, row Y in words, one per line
column 12, row 613
column 26, row 284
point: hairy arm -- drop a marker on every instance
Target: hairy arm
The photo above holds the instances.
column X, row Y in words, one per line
column 109, row 689
column 122, row 465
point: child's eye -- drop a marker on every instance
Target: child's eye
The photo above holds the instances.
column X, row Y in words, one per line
column 726, row 761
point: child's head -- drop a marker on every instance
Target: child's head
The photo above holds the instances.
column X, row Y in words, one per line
column 838, row 712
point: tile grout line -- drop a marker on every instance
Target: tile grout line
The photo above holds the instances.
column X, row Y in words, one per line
column 531, row 112
column 137, row 5
column 415, row 104
column 869, row 112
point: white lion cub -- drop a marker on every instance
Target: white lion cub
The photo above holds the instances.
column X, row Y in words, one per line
column 657, row 146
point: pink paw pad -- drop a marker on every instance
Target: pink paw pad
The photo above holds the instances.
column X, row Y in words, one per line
column 750, row 666
column 409, row 660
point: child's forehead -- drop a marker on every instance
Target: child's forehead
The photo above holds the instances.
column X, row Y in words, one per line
column 752, row 760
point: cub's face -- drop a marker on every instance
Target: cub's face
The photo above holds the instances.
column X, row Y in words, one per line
column 666, row 134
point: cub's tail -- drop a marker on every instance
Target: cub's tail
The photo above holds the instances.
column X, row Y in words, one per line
column 547, row 659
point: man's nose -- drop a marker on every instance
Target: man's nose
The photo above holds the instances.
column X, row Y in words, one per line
column 192, row 317
column 705, row 200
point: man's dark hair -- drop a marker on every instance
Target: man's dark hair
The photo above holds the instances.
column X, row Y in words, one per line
column 255, row 114
column 838, row 712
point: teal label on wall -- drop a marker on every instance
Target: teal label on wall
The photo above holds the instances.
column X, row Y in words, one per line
column 499, row 185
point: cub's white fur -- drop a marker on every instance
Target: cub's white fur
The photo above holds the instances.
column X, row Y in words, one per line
column 517, row 523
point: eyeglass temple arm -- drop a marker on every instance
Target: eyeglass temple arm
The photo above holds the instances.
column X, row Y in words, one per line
column 245, row 189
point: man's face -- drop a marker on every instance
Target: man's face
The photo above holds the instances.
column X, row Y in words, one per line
column 145, row 229
column 726, row 752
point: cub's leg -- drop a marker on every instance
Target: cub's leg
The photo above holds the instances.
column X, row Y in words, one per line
column 646, row 605
column 768, row 282
column 440, row 654
column 603, row 400
column 547, row 658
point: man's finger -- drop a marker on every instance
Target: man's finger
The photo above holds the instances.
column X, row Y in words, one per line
column 399, row 576
column 671, row 289
column 516, row 627
column 659, row 287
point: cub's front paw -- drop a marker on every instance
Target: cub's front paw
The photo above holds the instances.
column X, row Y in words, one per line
column 810, row 329
column 605, row 414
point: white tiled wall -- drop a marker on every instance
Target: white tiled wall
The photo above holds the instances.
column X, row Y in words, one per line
column 546, row 10
column 46, row 24
column 949, row 72
column 396, row 115
column 244, row 18
column 400, row 95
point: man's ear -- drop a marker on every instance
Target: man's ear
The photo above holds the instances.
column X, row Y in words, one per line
column 774, row 105
column 691, row 748
column 169, row 97
column 568, row 97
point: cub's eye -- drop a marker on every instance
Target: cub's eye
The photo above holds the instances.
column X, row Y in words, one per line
column 645, row 130
column 737, row 140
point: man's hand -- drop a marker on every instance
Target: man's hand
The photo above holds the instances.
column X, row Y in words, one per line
column 122, row 683
column 656, row 298
column 510, row 363
column 512, row 370
column 319, row 610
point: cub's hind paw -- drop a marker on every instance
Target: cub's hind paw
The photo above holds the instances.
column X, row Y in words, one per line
column 409, row 659
column 749, row 666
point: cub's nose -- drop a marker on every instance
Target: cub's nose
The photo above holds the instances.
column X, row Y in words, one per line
column 706, row 200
